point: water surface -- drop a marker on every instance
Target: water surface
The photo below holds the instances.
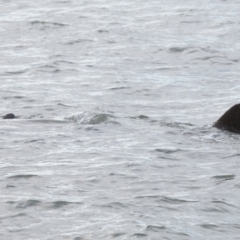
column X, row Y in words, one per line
column 115, row 102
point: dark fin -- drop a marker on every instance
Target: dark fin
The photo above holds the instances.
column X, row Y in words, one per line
column 9, row 116
column 230, row 120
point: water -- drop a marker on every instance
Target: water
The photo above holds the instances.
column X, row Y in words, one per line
column 115, row 102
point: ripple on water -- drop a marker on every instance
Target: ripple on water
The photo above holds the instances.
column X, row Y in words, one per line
column 16, row 72
column 168, row 151
column 44, row 25
column 27, row 204
column 220, row 207
column 168, row 200
column 155, row 228
column 77, row 41
column 55, row 205
column 169, row 154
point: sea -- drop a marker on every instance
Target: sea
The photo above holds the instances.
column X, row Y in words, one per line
column 115, row 102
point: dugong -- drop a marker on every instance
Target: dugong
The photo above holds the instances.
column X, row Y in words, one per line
column 9, row 116
column 230, row 120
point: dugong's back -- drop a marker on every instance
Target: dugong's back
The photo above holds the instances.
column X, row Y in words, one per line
column 9, row 116
column 230, row 120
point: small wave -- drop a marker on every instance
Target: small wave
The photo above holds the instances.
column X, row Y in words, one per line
column 64, row 105
column 48, row 68
column 77, row 41
column 180, row 125
column 162, row 199
column 232, row 156
column 176, row 200
column 119, row 88
column 48, row 205
column 28, row 203
column 115, row 205
column 167, row 151
column 216, row 136
column 191, row 22
column 142, row 117
column 35, row 140
column 58, row 62
column 47, row 121
column 155, row 228
column 86, row 118
column 17, row 72
column 166, row 68
column 43, row 25
column 36, row 116
column 14, row 216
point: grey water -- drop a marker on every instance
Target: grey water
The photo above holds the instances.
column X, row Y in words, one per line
column 115, row 102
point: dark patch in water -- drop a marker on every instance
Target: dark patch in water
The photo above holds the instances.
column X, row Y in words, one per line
column 118, row 88
column 140, row 235
column 224, row 177
column 209, row 226
column 35, row 140
column 140, row 117
column 46, row 25
column 9, row 73
column 19, row 97
column 60, row 204
column 25, row 176
column 167, row 151
column 103, row 31
column 177, row 49
column 77, row 41
column 116, row 235
column 10, row 186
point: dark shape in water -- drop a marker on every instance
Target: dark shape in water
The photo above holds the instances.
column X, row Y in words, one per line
column 230, row 120
column 9, row 116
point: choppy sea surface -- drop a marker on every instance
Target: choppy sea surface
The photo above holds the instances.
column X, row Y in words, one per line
column 115, row 103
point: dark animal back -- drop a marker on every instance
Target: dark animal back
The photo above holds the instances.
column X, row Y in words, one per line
column 230, row 120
